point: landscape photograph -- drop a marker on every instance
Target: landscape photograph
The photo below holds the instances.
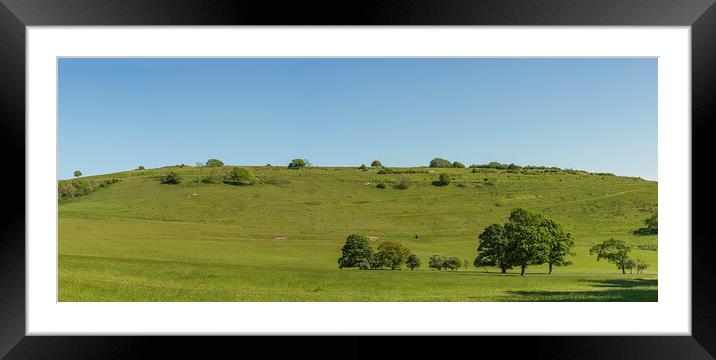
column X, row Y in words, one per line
column 357, row 180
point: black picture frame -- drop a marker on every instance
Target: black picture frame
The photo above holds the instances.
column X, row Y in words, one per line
column 16, row 15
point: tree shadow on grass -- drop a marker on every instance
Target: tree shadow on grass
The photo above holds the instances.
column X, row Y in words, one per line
column 619, row 290
column 644, row 232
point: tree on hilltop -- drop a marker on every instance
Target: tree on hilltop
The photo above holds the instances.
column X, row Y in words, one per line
column 440, row 163
column 214, row 163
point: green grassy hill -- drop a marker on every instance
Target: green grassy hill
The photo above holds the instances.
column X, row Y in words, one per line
column 278, row 240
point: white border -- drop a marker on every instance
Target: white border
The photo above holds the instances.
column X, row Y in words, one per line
column 670, row 315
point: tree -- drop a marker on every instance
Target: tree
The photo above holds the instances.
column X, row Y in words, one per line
column 140, row 167
column 392, row 254
column 493, row 248
column 614, row 251
column 376, row 163
column 77, row 173
column 297, row 164
column 652, row 223
column 413, row 261
column 452, row 263
column 172, row 178
column 560, row 244
column 436, row 262
column 241, row 176
column 513, row 167
column 527, row 243
column 458, row 164
column 354, row 251
column 640, row 266
column 440, row 163
column 214, row 163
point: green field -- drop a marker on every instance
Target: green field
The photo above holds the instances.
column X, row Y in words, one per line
column 139, row 240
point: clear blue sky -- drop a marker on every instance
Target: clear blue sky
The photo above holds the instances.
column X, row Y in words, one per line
column 591, row 114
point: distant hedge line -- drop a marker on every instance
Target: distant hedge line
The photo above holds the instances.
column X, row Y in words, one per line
column 67, row 189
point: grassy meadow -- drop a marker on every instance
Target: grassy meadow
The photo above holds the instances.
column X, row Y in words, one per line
column 278, row 240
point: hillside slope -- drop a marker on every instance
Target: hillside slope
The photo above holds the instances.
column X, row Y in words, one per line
column 140, row 240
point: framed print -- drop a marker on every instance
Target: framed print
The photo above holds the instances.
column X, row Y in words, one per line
column 482, row 170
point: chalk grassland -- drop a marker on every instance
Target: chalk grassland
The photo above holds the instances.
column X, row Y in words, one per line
column 139, row 240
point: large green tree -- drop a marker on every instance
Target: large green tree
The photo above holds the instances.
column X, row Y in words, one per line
column 214, row 163
column 392, row 254
column 354, row 251
column 527, row 243
column 614, row 251
column 376, row 163
column 560, row 244
column 493, row 249
column 440, row 163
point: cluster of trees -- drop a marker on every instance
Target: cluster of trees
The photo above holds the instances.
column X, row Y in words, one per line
column 77, row 187
column 236, row 176
column 448, row 263
column 357, row 252
column 444, row 163
column 617, row 252
column 526, row 238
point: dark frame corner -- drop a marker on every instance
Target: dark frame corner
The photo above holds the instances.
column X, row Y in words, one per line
column 16, row 15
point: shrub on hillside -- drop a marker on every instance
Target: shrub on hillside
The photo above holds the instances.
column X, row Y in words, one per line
column 443, row 179
column 458, row 164
column 171, row 178
column 241, row 176
column 77, row 173
column 67, row 189
column 363, row 167
column 440, row 163
column 376, row 163
column 380, row 186
column 214, row 163
column 140, row 167
column 402, row 185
